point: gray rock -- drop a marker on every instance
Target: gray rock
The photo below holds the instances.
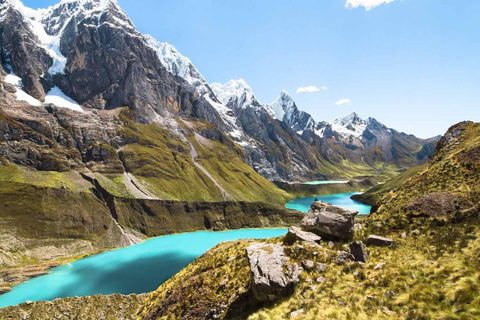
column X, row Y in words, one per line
column 266, row 270
column 331, row 244
column 389, row 294
column 357, row 227
column 330, row 222
column 297, row 234
column 307, row 264
column 321, row 267
column 357, row 249
column 343, row 257
column 403, row 235
column 293, row 272
column 374, row 240
column 321, row 279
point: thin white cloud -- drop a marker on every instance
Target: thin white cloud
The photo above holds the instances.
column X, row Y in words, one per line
column 343, row 101
column 310, row 89
column 368, row 4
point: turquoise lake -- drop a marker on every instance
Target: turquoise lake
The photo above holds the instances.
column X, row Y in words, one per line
column 136, row 269
column 144, row 267
column 339, row 199
column 324, row 182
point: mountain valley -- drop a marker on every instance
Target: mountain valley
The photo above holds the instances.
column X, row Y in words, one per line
column 109, row 137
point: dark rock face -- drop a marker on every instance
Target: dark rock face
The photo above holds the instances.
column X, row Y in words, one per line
column 282, row 155
column 159, row 217
column 20, row 50
column 358, row 250
column 109, row 65
column 330, row 222
column 374, row 240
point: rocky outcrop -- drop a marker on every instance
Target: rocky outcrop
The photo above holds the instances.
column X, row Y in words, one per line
column 379, row 241
column 268, row 279
column 330, row 222
column 358, row 251
column 159, row 217
column 343, row 257
column 296, row 234
column 436, row 204
column 21, row 49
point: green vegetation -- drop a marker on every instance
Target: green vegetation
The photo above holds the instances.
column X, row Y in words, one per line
column 95, row 307
column 433, row 272
column 163, row 162
column 373, row 195
column 71, row 180
column 235, row 175
column 453, row 171
column 423, row 287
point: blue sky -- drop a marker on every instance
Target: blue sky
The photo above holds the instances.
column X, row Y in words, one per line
column 412, row 64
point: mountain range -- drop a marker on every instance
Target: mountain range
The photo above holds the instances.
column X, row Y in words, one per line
column 109, row 137
column 87, row 55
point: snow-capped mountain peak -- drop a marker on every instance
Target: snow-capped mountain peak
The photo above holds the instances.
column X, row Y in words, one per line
column 352, row 118
column 56, row 17
column 282, row 106
column 49, row 24
column 233, row 90
column 350, row 125
column 285, row 109
column 177, row 64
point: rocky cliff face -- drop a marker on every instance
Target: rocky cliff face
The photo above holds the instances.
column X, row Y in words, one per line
column 93, row 53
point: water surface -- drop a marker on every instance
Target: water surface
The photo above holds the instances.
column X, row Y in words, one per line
column 325, row 182
column 339, row 199
column 136, row 269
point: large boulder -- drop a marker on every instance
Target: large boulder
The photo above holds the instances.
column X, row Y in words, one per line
column 329, row 221
column 357, row 249
column 297, row 234
column 269, row 280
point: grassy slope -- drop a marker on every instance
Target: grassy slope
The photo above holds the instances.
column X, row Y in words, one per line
column 164, row 163
column 111, row 307
column 373, row 195
column 454, row 169
column 425, row 287
column 434, row 275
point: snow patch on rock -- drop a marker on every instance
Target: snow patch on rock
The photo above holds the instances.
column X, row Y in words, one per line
column 59, row 99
